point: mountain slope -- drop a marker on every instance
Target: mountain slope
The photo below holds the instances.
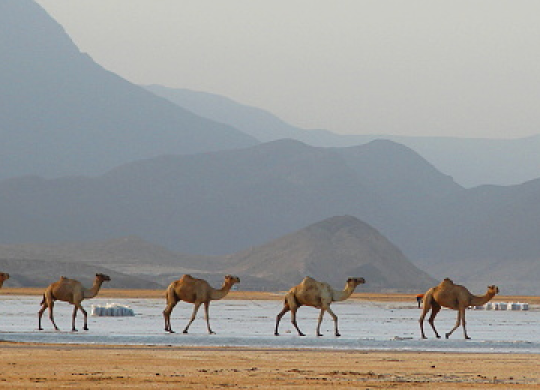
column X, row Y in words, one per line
column 63, row 114
column 333, row 250
column 223, row 202
column 213, row 203
column 41, row 273
column 471, row 162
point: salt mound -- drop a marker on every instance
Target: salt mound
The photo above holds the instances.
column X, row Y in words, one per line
column 112, row 310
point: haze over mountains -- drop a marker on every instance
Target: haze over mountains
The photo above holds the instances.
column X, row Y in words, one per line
column 471, row 162
column 209, row 197
column 328, row 250
column 63, row 114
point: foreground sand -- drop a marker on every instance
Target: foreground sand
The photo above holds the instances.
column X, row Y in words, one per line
column 93, row 367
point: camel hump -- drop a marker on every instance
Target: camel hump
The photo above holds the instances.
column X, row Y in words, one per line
column 187, row 277
column 308, row 280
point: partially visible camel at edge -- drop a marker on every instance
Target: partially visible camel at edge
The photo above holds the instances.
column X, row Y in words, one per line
column 71, row 291
column 3, row 277
column 196, row 291
column 316, row 294
column 452, row 296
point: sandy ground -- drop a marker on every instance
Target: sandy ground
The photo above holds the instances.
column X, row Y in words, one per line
column 92, row 367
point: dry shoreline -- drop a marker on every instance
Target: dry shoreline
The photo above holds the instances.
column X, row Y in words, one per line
column 31, row 365
column 256, row 295
column 95, row 366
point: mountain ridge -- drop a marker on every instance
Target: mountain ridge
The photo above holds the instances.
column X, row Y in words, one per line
column 63, row 114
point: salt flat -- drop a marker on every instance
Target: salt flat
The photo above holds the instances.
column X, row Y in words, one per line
column 364, row 325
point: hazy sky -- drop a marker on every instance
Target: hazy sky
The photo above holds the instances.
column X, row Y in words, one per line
column 458, row 68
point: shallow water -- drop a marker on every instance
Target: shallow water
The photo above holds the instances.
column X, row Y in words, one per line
column 363, row 325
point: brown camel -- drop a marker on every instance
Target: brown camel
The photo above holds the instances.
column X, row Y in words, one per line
column 196, row 291
column 452, row 296
column 72, row 291
column 3, row 277
column 316, row 294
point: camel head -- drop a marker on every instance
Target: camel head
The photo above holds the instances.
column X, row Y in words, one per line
column 355, row 281
column 493, row 290
column 103, row 278
column 4, row 276
column 230, row 280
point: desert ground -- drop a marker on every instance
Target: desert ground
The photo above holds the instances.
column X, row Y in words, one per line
column 30, row 365
column 92, row 367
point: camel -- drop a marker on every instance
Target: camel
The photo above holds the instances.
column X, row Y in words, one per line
column 3, row 277
column 196, row 291
column 452, row 296
column 316, row 294
column 72, row 291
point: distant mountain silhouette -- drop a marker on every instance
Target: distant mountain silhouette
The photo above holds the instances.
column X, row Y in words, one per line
column 470, row 161
column 41, row 273
column 333, row 250
column 224, row 202
column 63, row 114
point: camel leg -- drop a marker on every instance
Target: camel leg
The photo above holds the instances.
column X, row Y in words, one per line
column 435, row 308
column 51, row 315
column 85, row 327
column 207, row 316
column 427, row 307
column 167, row 315
column 321, row 315
column 460, row 320
column 334, row 317
column 293, row 321
column 75, row 308
column 279, row 316
column 195, row 310
column 40, row 314
column 463, row 325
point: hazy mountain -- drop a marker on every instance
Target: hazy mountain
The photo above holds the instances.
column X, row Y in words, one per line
column 41, row 273
column 223, row 202
column 63, row 114
column 216, row 203
column 471, row 162
column 131, row 255
column 332, row 251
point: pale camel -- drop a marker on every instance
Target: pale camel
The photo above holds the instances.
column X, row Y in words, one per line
column 72, row 291
column 316, row 294
column 196, row 291
column 452, row 296
column 3, row 277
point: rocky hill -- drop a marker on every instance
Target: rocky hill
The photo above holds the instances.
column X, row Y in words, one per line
column 63, row 114
column 333, row 250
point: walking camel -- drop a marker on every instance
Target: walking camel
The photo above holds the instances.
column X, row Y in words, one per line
column 452, row 296
column 316, row 294
column 196, row 291
column 3, row 277
column 71, row 291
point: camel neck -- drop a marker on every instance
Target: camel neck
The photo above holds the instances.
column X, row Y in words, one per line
column 342, row 295
column 93, row 291
column 481, row 300
column 221, row 293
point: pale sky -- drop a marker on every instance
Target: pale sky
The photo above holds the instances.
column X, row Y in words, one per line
column 433, row 68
